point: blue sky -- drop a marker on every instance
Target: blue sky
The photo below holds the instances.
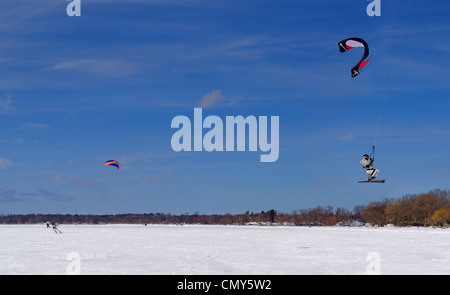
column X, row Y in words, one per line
column 78, row 91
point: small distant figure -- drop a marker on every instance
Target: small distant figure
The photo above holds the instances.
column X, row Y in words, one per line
column 54, row 227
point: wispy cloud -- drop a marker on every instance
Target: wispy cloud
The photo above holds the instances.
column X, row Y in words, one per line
column 13, row 141
column 5, row 163
column 53, row 195
column 34, row 126
column 14, row 13
column 111, row 68
column 216, row 98
column 5, row 104
column 13, row 195
column 157, row 179
column 444, row 172
column 148, row 180
column 211, row 99
column 78, row 181
column 10, row 195
column 346, row 137
column 180, row 3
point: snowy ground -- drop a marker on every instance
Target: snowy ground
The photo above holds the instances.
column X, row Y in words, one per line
column 195, row 249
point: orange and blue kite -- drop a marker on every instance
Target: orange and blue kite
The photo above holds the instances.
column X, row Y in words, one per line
column 112, row 163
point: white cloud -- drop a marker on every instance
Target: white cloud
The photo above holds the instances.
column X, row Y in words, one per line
column 211, row 99
column 346, row 137
column 216, row 98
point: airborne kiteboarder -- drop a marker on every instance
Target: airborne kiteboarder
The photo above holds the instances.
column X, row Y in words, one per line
column 346, row 45
column 367, row 164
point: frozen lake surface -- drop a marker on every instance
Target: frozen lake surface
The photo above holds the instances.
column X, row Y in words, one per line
column 222, row 250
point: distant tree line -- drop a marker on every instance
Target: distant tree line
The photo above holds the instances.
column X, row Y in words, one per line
column 427, row 209
column 432, row 208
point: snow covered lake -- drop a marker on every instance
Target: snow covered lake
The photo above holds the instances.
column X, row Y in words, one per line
column 222, row 250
